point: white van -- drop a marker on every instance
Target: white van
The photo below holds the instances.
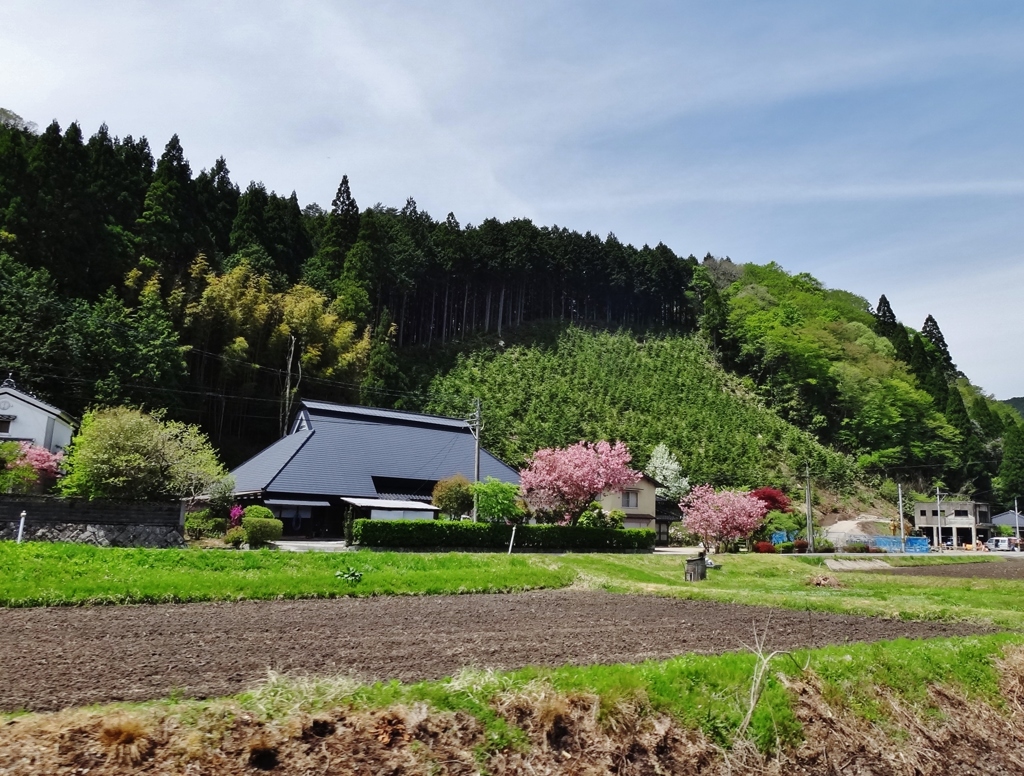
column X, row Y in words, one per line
column 999, row 543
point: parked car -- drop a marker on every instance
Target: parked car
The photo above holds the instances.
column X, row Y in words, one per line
column 999, row 543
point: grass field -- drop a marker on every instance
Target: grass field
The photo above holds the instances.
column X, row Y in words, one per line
column 37, row 574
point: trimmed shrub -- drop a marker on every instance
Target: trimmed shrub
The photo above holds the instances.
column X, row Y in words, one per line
column 261, row 530
column 800, row 545
column 256, row 510
column 824, row 545
column 765, row 547
column 203, row 525
column 445, row 533
column 856, row 547
column 235, row 536
column 784, row 547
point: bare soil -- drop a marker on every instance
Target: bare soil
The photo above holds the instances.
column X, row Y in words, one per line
column 59, row 657
column 1012, row 569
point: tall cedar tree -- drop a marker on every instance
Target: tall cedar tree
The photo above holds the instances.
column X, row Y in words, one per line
column 989, row 422
column 339, row 234
column 933, row 334
column 1011, row 471
column 381, row 365
column 885, row 317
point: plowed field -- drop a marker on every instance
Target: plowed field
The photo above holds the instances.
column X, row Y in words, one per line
column 58, row 657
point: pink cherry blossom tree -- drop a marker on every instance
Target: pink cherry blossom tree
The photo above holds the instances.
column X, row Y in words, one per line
column 568, row 479
column 45, row 463
column 724, row 516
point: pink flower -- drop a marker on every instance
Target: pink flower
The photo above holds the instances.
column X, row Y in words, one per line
column 236, row 515
column 570, row 478
column 45, row 463
column 724, row 516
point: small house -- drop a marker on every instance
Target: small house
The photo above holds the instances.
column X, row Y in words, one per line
column 339, row 460
column 26, row 418
column 643, row 507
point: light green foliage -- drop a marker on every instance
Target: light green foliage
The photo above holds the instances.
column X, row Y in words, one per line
column 16, row 474
column 235, row 536
column 203, row 525
column 453, row 496
column 817, row 360
column 609, row 386
column 498, row 501
column 596, row 517
column 665, row 468
column 123, row 453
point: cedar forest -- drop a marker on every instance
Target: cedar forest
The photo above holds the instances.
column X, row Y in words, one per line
column 128, row 279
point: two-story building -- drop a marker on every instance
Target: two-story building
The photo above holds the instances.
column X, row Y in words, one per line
column 24, row 418
column 643, row 507
column 954, row 522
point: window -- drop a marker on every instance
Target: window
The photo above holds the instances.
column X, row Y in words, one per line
column 630, row 499
column 924, row 513
column 5, row 427
column 960, row 513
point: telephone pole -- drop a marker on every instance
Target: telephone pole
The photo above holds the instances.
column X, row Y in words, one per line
column 475, row 425
column 810, row 515
column 903, row 535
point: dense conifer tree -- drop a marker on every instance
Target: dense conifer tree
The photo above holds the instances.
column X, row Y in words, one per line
column 933, row 334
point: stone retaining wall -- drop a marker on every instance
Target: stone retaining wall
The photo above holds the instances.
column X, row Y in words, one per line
column 103, row 523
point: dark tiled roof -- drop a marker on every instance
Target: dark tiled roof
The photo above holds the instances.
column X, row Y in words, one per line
column 259, row 470
column 348, row 446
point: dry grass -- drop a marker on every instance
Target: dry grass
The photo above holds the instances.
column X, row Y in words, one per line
column 577, row 733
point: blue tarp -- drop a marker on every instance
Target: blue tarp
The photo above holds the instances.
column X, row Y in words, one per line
column 781, row 536
column 918, row 544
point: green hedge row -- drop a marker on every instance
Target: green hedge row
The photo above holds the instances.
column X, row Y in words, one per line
column 451, row 533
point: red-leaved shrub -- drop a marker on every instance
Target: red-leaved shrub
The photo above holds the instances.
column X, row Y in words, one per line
column 764, row 547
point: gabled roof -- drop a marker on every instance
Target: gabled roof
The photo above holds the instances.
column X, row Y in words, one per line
column 343, row 447
column 7, row 387
column 1008, row 518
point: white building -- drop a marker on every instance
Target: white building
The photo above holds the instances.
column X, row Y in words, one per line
column 24, row 418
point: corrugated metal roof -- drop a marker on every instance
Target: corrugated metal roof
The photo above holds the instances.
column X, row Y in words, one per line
column 380, row 503
column 257, row 473
column 348, row 446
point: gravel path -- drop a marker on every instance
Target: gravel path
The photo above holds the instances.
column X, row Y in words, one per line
column 58, row 657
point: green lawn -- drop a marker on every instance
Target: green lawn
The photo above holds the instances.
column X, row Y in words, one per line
column 36, row 574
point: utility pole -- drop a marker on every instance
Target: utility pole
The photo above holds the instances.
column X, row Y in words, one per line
column 938, row 520
column 1016, row 519
column 476, row 425
column 903, row 535
column 810, row 516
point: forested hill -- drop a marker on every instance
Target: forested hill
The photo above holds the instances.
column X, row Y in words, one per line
column 126, row 277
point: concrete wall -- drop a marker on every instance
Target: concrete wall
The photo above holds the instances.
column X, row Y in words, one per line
column 104, row 523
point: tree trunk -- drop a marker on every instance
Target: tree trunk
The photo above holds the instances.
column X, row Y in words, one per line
column 501, row 307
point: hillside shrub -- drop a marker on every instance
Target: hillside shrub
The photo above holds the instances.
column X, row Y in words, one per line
column 801, row 545
column 204, row 525
column 764, row 547
column 784, row 547
column 261, row 530
column 824, row 545
column 448, row 534
column 855, row 547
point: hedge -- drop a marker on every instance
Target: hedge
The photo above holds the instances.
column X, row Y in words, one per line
column 261, row 530
column 490, row 536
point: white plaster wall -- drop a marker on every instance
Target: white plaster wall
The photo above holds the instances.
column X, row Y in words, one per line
column 30, row 423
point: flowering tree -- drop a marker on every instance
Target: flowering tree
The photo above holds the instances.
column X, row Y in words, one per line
column 665, row 468
column 568, row 479
column 24, row 467
column 724, row 516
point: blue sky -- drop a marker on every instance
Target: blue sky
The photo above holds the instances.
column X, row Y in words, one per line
column 877, row 145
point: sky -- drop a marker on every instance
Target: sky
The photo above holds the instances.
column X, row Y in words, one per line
column 877, row 145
